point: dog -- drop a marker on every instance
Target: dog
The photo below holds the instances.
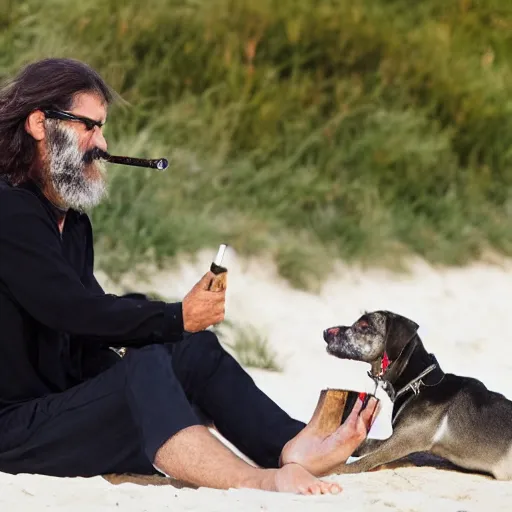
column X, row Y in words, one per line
column 449, row 416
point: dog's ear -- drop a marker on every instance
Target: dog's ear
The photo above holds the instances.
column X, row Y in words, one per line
column 399, row 331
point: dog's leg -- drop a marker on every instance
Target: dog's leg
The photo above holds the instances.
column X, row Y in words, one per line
column 367, row 446
column 370, row 445
column 399, row 445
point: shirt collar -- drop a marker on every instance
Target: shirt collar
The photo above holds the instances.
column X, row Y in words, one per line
column 57, row 212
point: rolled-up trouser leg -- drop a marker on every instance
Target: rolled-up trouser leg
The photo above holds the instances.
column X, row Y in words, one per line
column 113, row 423
column 156, row 399
column 241, row 411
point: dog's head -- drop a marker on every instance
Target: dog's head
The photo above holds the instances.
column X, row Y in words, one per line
column 372, row 335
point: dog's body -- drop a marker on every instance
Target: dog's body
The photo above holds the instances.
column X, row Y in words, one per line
column 453, row 417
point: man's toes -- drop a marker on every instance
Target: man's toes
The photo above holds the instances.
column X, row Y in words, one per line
column 330, row 488
column 335, row 488
column 315, row 488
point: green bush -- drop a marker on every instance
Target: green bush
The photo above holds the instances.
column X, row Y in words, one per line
column 366, row 129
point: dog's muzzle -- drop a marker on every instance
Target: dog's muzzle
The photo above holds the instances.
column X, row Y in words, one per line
column 335, row 337
column 331, row 333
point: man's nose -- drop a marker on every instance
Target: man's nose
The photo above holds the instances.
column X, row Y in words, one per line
column 99, row 140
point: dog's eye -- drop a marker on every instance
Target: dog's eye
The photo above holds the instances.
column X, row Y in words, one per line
column 363, row 325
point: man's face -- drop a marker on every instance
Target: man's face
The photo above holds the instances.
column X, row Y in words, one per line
column 77, row 177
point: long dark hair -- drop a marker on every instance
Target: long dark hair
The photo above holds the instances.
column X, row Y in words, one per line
column 48, row 83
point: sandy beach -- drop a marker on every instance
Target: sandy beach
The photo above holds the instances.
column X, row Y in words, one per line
column 463, row 315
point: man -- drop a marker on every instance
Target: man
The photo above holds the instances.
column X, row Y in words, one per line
column 69, row 405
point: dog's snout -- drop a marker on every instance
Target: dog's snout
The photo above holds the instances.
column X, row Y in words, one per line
column 330, row 333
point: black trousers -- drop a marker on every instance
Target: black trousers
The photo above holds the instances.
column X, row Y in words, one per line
column 117, row 421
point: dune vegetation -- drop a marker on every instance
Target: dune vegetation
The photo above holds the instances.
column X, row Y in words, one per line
column 367, row 130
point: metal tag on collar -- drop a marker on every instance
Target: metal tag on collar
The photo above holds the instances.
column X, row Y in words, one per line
column 415, row 386
column 382, row 427
column 389, row 389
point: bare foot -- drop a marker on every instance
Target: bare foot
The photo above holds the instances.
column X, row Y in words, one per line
column 293, row 478
column 321, row 454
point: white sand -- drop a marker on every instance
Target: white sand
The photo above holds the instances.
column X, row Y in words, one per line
column 463, row 314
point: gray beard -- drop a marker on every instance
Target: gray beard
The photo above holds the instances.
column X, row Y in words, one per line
column 66, row 169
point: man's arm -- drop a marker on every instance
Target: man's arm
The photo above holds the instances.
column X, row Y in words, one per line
column 43, row 283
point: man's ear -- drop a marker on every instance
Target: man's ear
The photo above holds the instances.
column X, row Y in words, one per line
column 34, row 125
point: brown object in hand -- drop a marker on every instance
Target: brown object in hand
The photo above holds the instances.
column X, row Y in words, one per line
column 333, row 407
column 329, row 411
column 219, row 282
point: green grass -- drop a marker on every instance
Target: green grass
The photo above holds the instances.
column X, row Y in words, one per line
column 249, row 345
column 363, row 129
column 253, row 351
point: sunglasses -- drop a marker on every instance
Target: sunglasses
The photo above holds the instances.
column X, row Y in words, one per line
column 66, row 116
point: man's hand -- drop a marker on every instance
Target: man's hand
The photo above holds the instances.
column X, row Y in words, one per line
column 322, row 452
column 202, row 308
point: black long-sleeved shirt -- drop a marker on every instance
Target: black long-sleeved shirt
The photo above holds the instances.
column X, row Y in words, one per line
column 55, row 319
